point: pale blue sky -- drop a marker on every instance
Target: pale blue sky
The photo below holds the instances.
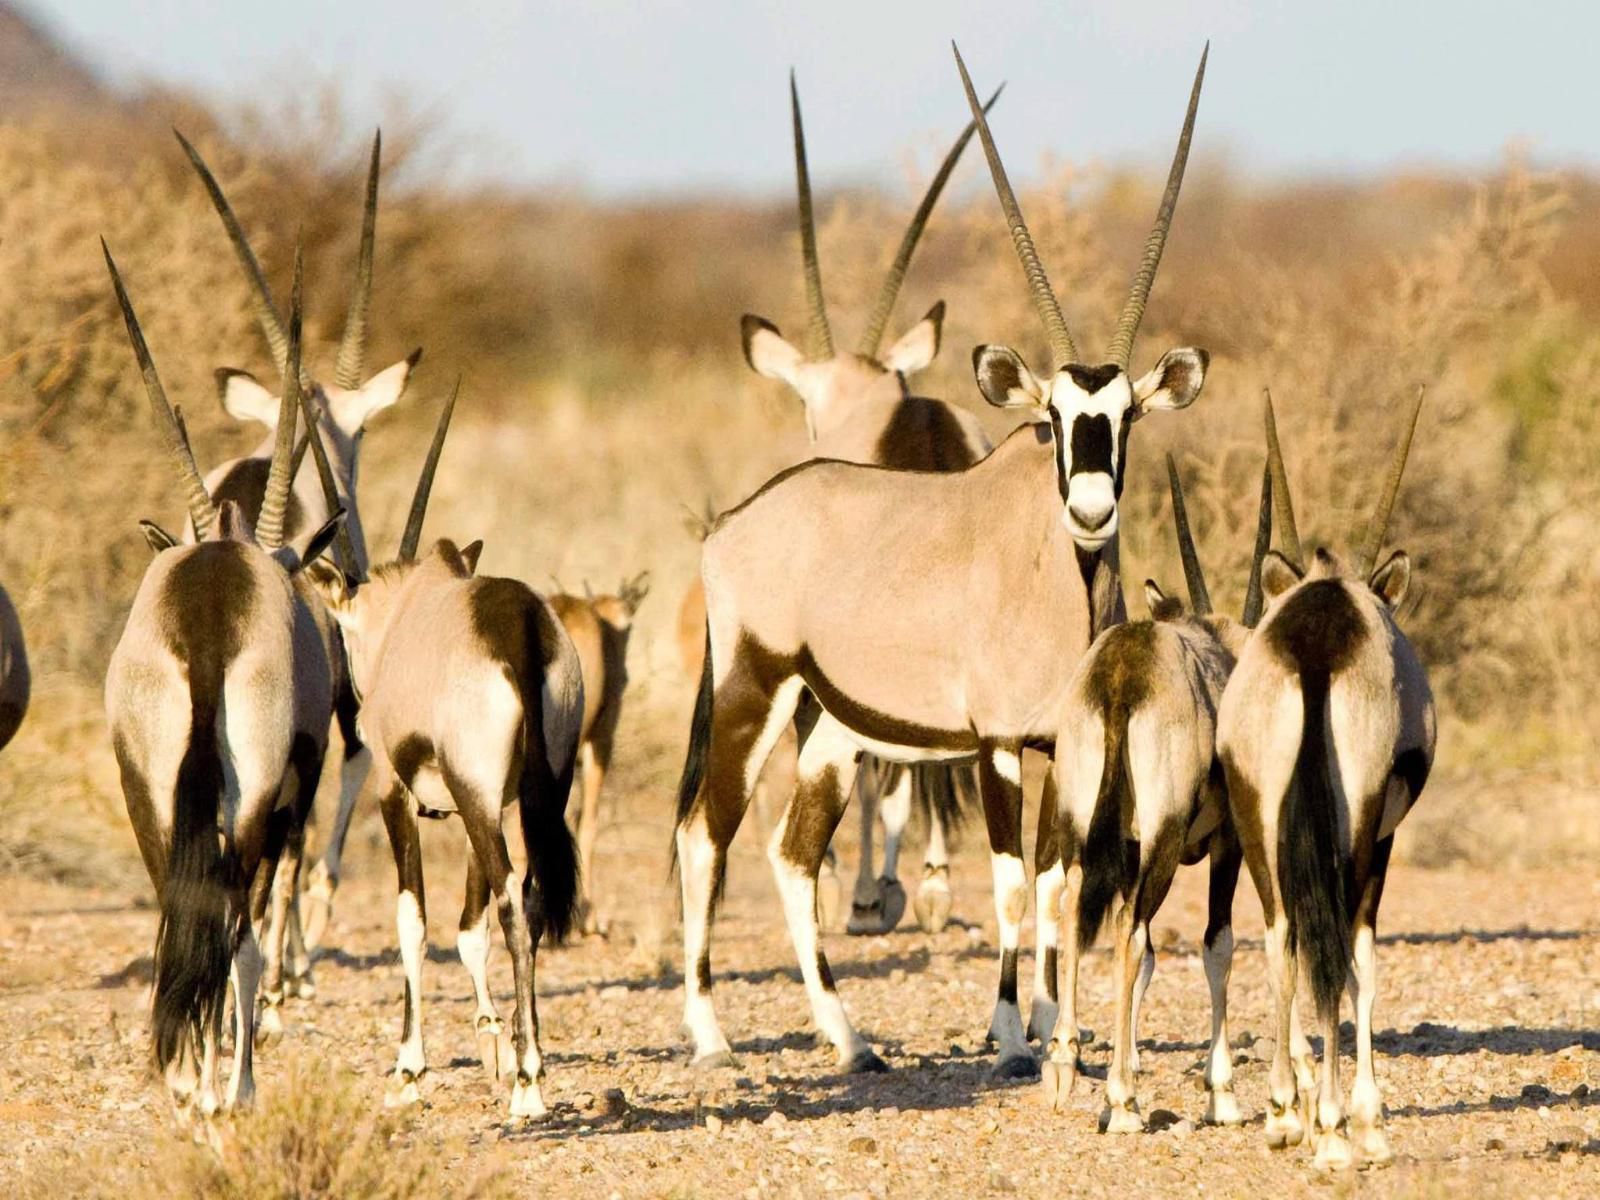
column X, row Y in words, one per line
column 672, row 97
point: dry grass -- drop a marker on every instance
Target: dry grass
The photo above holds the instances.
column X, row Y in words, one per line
column 605, row 392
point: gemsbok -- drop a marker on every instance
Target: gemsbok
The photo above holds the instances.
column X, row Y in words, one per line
column 1326, row 734
column 472, row 698
column 343, row 407
column 921, row 617
column 217, row 695
column 1139, row 793
column 599, row 627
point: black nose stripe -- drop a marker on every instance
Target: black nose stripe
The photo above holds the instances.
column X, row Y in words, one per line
column 1091, row 444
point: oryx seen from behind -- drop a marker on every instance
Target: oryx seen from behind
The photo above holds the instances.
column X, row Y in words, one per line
column 219, row 698
column 1139, row 793
column 859, row 408
column 917, row 616
column 343, row 406
column 472, row 699
column 1326, row 734
column 599, row 627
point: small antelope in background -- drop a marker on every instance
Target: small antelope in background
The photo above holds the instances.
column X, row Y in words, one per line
column 1326, row 733
column 472, row 697
column 219, row 698
column 1139, row 793
column 599, row 627
column 342, row 409
column 859, row 408
column 920, row 617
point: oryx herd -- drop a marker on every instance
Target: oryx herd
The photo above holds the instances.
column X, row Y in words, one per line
column 911, row 607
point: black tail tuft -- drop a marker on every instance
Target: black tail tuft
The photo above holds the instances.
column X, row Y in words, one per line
column 1110, row 861
column 943, row 793
column 1311, row 861
column 694, row 763
column 196, row 935
column 552, row 904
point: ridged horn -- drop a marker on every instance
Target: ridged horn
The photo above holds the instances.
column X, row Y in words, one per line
column 344, row 551
column 1379, row 524
column 872, row 337
column 1254, row 601
column 1193, row 576
column 1282, row 502
column 350, row 365
column 275, row 503
column 201, row 509
column 821, row 335
column 1044, row 300
column 419, row 502
column 1121, row 348
column 261, row 301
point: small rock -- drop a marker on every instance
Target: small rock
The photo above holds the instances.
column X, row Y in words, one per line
column 613, row 1103
column 616, row 991
column 1567, row 1137
column 1580, row 1093
column 1494, row 1142
column 1536, row 1091
column 1182, row 1129
column 863, row 1145
column 713, row 1123
column 1243, row 1040
column 990, row 1128
column 1000, row 1183
column 898, row 975
column 775, row 1118
column 1162, row 1119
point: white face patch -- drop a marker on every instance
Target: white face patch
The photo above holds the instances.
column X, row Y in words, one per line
column 1089, row 424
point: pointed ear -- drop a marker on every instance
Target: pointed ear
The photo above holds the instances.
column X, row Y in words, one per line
column 244, row 399
column 918, row 345
column 1004, row 379
column 766, row 351
column 1174, row 383
column 469, row 555
column 317, row 544
column 1392, row 580
column 157, row 538
column 1153, row 595
column 1278, row 575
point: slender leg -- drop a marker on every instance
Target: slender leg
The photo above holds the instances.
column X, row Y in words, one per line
column 880, row 902
column 323, row 878
column 1122, row 1106
column 1061, row 1071
column 1222, row 1107
column 472, row 943
column 1049, row 878
column 866, row 901
column 895, row 809
column 1333, row 1151
column 246, row 974
column 827, row 763
column 588, row 830
column 411, row 926
column 1366, row 1106
column 271, row 912
column 1000, row 780
column 933, row 894
column 1147, row 968
column 1284, row 1124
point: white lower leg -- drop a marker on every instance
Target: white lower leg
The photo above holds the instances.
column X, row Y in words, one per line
column 472, row 943
column 1047, row 889
column 412, row 931
column 527, row 1097
column 696, row 868
column 1121, row 1102
column 1366, row 1105
column 1147, row 968
column 323, row 879
column 1333, row 1151
column 895, row 809
column 1011, row 905
column 1284, row 1126
column 1221, row 1106
column 799, row 894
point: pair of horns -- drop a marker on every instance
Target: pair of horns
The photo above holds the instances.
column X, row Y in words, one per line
column 1377, row 525
column 202, row 511
column 1062, row 347
column 1194, row 577
column 821, row 338
column 412, row 537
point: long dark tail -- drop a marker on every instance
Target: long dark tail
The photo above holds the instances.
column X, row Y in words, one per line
column 197, row 933
column 1311, row 860
column 943, row 793
column 694, row 763
column 542, row 799
column 1110, row 862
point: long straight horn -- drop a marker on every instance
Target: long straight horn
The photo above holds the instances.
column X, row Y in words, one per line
column 344, row 550
column 201, row 510
column 1253, row 599
column 1121, row 348
column 1194, row 577
column 1282, row 503
column 419, row 502
column 821, row 335
column 261, row 301
column 275, row 504
column 348, row 369
column 1044, row 300
column 873, row 336
column 1379, row 525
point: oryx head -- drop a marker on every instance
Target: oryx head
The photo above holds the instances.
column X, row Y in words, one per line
column 227, row 523
column 343, row 406
column 619, row 608
column 833, row 383
column 1091, row 406
column 1285, row 570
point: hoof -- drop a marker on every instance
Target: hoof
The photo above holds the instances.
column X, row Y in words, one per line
column 489, row 1049
column 269, row 1026
column 934, row 901
column 1057, row 1080
column 1372, row 1147
column 866, row 919
column 316, row 906
column 301, row 986
column 865, row 1061
column 402, row 1091
column 1017, row 1066
column 894, row 903
column 829, row 901
column 717, row 1060
column 527, row 1100
column 1042, row 1021
column 1284, row 1129
column 1121, row 1120
column 1222, row 1108
column 1333, row 1152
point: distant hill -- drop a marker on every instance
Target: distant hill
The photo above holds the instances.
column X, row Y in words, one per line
column 37, row 71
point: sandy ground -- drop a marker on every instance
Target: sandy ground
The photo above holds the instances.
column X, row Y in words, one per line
column 1489, row 1043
